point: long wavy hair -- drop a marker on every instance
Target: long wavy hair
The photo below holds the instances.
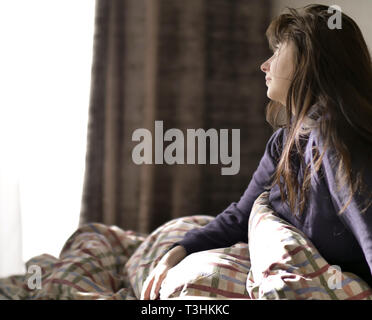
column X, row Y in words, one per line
column 331, row 90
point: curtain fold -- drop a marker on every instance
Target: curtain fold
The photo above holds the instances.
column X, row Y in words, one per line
column 191, row 64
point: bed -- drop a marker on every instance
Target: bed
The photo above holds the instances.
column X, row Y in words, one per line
column 107, row 263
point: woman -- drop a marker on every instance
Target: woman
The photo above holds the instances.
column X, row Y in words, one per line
column 317, row 164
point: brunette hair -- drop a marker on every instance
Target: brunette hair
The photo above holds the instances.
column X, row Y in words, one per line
column 331, row 90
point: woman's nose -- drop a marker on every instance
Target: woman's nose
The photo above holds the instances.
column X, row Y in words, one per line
column 265, row 66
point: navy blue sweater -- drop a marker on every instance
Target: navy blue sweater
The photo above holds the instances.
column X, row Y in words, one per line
column 344, row 240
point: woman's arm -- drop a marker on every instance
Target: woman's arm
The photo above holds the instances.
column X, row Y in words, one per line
column 231, row 226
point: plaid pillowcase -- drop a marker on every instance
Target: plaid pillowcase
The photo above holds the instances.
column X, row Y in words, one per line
column 218, row 273
column 147, row 256
column 222, row 273
column 291, row 267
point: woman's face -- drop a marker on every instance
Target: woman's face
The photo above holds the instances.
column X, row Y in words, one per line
column 279, row 69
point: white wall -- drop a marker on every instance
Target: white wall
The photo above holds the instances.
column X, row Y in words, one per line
column 359, row 10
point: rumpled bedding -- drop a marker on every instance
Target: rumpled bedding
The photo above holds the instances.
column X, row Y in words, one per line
column 107, row 263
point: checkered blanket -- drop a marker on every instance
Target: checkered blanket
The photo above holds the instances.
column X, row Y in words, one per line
column 106, row 262
column 90, row 266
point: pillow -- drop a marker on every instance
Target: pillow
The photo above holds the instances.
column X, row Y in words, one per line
column 218, row 273
column 291, row 267
column 148, row 254
column 223, row 273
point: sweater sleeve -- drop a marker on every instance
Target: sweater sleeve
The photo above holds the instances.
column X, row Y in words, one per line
column 231, row 226
column 358, row 222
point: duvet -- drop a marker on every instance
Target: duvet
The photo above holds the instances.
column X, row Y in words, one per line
column 105, row 262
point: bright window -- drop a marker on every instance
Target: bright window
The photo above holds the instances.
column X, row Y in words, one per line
column 45, row 69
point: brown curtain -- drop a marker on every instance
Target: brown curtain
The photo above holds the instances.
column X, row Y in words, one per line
column 192, row 64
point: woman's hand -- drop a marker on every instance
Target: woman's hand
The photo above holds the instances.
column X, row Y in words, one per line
column 151, row 287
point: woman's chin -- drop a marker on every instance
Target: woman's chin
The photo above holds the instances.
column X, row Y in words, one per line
column 271, row 94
